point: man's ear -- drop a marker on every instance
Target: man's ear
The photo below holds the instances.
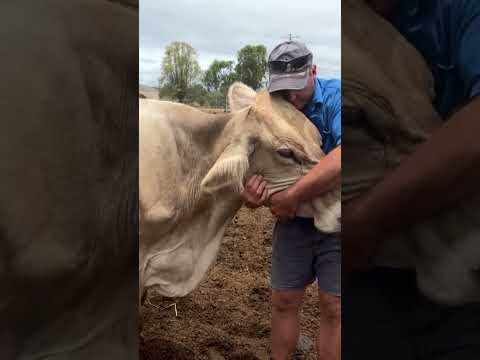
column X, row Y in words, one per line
column 240, row 96
column 230, row 168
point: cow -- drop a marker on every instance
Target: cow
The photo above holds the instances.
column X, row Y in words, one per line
column 387, row 96
column 69, row 180
column 192, row 171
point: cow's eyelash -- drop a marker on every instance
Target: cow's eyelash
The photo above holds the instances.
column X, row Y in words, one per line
column 286, row 152
column 289, row 153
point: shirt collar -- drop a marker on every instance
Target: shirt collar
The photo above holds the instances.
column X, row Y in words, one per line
column 317, row 97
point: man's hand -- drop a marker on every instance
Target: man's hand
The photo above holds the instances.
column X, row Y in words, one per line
column 284, row 204
column 360, row 235
column 255, row 195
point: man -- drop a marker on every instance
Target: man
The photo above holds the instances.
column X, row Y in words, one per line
column 385, row 315
column 300, row 252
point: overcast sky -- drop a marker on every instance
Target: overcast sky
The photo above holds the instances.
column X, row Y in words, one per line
column 218, row 29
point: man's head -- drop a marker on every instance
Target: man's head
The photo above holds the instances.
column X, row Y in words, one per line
column 292, row 73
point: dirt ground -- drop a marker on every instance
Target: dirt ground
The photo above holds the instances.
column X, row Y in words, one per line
column 228, row 315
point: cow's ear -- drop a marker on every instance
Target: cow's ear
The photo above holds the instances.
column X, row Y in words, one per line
column 230, row 168
column 240, row 96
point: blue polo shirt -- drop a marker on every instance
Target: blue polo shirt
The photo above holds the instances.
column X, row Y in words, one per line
column 324, row 110
column 447, row 34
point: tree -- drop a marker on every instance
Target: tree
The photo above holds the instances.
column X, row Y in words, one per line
column 180, row 69
column 197, row 95
column 217, row 79
column 166, row 91
column 218, row 75
column 251, row 65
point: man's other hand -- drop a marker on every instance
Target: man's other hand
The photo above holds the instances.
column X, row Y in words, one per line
column 255, row 194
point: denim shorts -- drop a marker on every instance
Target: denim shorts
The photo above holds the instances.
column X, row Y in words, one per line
column 302, row 254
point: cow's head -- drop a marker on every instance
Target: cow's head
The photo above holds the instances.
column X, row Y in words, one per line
column 269, row 137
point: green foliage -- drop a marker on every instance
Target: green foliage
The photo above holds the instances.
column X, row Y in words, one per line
column 182, row 79
column 251, row 65
column 166, row 91
column 197, row 95
column 217, row 79
column 219, row 75
column 180, row 69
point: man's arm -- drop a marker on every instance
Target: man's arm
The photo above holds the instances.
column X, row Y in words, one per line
column 441, row 172
column 446, row 168
column 322, row 178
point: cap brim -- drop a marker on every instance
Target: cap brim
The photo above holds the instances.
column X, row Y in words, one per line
column 292, row 81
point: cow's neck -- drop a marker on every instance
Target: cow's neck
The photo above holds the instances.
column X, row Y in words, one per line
column 208, row 135
column 190, row 248
column 214, row 134
column 211, row 137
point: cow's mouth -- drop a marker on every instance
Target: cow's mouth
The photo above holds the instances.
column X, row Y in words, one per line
column 274, row 186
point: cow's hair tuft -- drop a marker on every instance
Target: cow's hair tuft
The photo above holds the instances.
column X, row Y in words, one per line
column 228, row 172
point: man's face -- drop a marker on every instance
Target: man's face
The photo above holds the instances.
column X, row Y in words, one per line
column 299, row 98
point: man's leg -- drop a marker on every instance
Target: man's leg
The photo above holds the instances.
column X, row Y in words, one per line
column 329, row 337
column 328, row 270
column 292, row 272
column 285, row 321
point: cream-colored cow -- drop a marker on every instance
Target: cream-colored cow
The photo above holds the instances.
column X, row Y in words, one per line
column 192, row 169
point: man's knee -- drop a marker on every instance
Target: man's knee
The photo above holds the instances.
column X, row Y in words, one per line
column 287, row 301
column 330, row 308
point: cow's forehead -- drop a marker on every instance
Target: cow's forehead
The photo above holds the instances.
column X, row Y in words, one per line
column 281, row 116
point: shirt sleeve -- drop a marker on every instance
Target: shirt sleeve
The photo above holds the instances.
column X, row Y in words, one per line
column 468, row 58
column 335, row 117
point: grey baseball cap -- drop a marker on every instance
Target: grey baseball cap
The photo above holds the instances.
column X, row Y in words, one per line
column 288, row 66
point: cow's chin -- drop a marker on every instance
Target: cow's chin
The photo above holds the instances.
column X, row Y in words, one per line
column 277, row 185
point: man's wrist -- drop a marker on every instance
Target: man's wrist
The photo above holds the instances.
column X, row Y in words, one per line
column 293, row 194
column 372, row 214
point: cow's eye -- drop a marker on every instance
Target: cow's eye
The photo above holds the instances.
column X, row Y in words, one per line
column 286, row 153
